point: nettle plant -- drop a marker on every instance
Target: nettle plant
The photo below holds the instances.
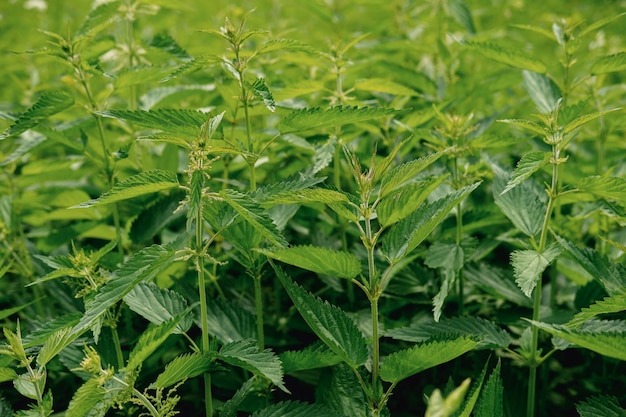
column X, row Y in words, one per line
column 352, row 234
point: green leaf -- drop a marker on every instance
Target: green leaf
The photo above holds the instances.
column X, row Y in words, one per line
column 548, row 34
column 156, row 217
column 54, row 344
column 317, row 118
column 252, row 213
column 610, row 188
column 542, row 90
column 528, row 265
column 611, row 304
column 143, row 183
column 447, row 283
column 230, row 407
column 384, row 85
column 25, row 145
column 528, row 125
column 165, row 42
column 192, row 65
column 317, row 355
column 524, row 205
column 472, row 398
column 606, row 343
column 611, row 275
column 445, row 255
column 245, row 354
column 400, row 175
column 183, row 367
column 143, row 266
column 462, row 14
column 405, row 363
column 99, row 18
column 7, row 312
column 576, row 123
column 7, row 374
column 491, row 402
column 609, row 63
column 407, row 234
column 488, row 334
column 177, row 121
column 85, row 398
column 49, row 327
column 306, row 196
column 321, row 260
column 498, row 282
column 338, row 389
column 49, row 103
column 328, row 322
column 527, row 166
column 400, row 204
column 229, row 322
column 512, row 57
column 149, row 341
column 438, row 406
column 159, row 305
column 600, row 406
column 284, row 44
column 263, row 93
column 142, row 74
column 294, row 409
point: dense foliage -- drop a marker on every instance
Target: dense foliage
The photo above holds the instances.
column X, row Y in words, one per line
column 340, row 208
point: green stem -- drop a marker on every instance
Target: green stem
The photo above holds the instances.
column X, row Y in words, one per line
column 258, row 301
column 118, row 348
column 146, row 402
column 459, row 237
column 208, row 398
column 532, row 376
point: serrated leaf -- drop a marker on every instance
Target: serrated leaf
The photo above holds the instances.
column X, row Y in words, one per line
column 524, row 205
column 528, row 265
column 192, row 65
column 400, row 204
column 511, row 57
column 400, row 175
column 600, row 406
column 294, row 409
column 542, row 91
column 317, row 118
column 612, row 276
column 384, row 85
column 143, row 183
column 26, row 143
column 143, row 266
column 528, row 125
column 245, row 354
column 548, row 34
column 54, row 344
column 49, row 103
column 496, row 281
column 230, row 407
column 527, row 166
column 156, row 217
column 610, row 188
column 609, row 63
column 491, row 402
column 252, row 213
column 317, row 355
column 579, row 121
column 438, row 406
column 407, row 234
column 7, row 374
column 165, row 42
column 321, row 260
column 149, row 341
column 447, row 282
column 177, row 121
column 265, row 195
column 263, row 93
column 158, row 305
column 488, row 334
column 611, row 304
column 609, row 343
column 85, row 398
column 229, row 322
column 462, row 14
column 99, row 18
column 405, row 363
column 472, row 398
column 49, row 327
column 307, row 196
column 445, row 255
column 328, row 322
column 183, row 367
column 285, row 44
column 338, row 389
column 142, row 74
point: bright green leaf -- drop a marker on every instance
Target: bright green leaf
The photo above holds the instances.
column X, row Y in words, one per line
column 54, row 344
column 497, row 282
column 149, row 341
column 321, row 260
column 610, row 188
column 330, row 323
column 576, row 123
column 527, row 166
column 611, row 304
column 508, row 56
column 184, row 367
column 405, row 363
column 491, row 402
column 400, row 204
column 263, row 93
column 609, row 63
column 192, row 65
column 177, row 121
column 99, row 18
column 7, row 374
column 229, row 322
column 542, row 90
column 246, row 354
column 528, row 125
column 317, row 355
column 230, row 407
column 158, row 305
column 400, row 175
column 85, row 398
column 462, row 14
column 317, row 118
column 438, row 406
column 528, row 265
column 384, row 85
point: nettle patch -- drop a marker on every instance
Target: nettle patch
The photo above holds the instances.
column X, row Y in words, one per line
column 295, row 213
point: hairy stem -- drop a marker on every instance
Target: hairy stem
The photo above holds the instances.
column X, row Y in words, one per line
column 258, row 301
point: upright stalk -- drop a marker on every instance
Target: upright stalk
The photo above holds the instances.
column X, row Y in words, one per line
column 258, row 301
column 534, row 361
